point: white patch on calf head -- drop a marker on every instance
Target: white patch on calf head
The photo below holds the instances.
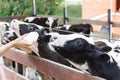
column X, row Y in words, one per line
column 67, row 26
column 50, row 21
column 54, row 35
column 15, row 25
column 3, row 27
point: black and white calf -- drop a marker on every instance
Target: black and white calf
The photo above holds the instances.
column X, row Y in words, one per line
column 8, row 36
column 46, row 22
column 41, row 47
column 81, row 49
column 4, row 26
column 84, row 28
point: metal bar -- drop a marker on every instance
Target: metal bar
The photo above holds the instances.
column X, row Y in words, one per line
column 109, row 26
column 34, row 7
column 65, row 13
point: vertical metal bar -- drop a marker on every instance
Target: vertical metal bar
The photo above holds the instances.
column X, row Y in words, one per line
column 109, row 26
column 34, row 8
column 65, row 14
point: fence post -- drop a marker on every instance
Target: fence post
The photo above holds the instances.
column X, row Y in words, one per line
column 34, row 8
column 65, row 14
column 109, row 25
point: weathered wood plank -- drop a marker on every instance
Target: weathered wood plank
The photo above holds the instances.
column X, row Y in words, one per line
column 56, row 70
column 12, row 17
column 79, row 20
column 11, row 75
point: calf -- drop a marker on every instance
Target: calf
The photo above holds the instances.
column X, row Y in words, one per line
column 8, row 36
column 80, row 49
column 41, row 47
column 86, row 29
column 4, row 26
column 46, row 22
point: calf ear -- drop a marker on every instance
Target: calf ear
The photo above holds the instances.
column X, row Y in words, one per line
column 44, row 38
column 106, row 48
column 56, row 19
column 102, row 58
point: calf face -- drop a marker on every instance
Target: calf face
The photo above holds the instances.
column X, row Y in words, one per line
column 22, row 27
column 4, row 26
column 8, row 36
column 77, row 48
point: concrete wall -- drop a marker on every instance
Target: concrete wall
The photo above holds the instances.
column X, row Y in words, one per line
column 92, row 8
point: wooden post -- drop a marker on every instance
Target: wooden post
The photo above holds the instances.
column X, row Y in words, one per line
column 109, row 25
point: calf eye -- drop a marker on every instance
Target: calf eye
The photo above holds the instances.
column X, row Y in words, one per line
column 7, row 34
column 92, row 46
column 55, row 37
column 31, row 28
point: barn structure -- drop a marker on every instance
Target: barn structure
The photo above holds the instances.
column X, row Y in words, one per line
column 97, row 10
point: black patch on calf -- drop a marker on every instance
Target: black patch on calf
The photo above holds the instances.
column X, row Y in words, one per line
column 44, row 38
column 84, row 28
column 25, row 28
column 117, row 49
column 45, row 52
column 73, row 50
column 42, row 21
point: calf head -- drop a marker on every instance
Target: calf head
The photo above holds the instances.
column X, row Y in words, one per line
column 8, row 36
column 4, row 26
column 77, row 48
column 22, row 27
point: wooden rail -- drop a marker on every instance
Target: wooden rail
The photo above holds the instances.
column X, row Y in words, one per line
column 56, row 70
column 11, row 75
column 79, row 20
column 73, row 20
column 12, row 17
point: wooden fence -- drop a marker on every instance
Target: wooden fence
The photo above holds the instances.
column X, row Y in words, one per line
column 56, row 70
column 73, row 20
